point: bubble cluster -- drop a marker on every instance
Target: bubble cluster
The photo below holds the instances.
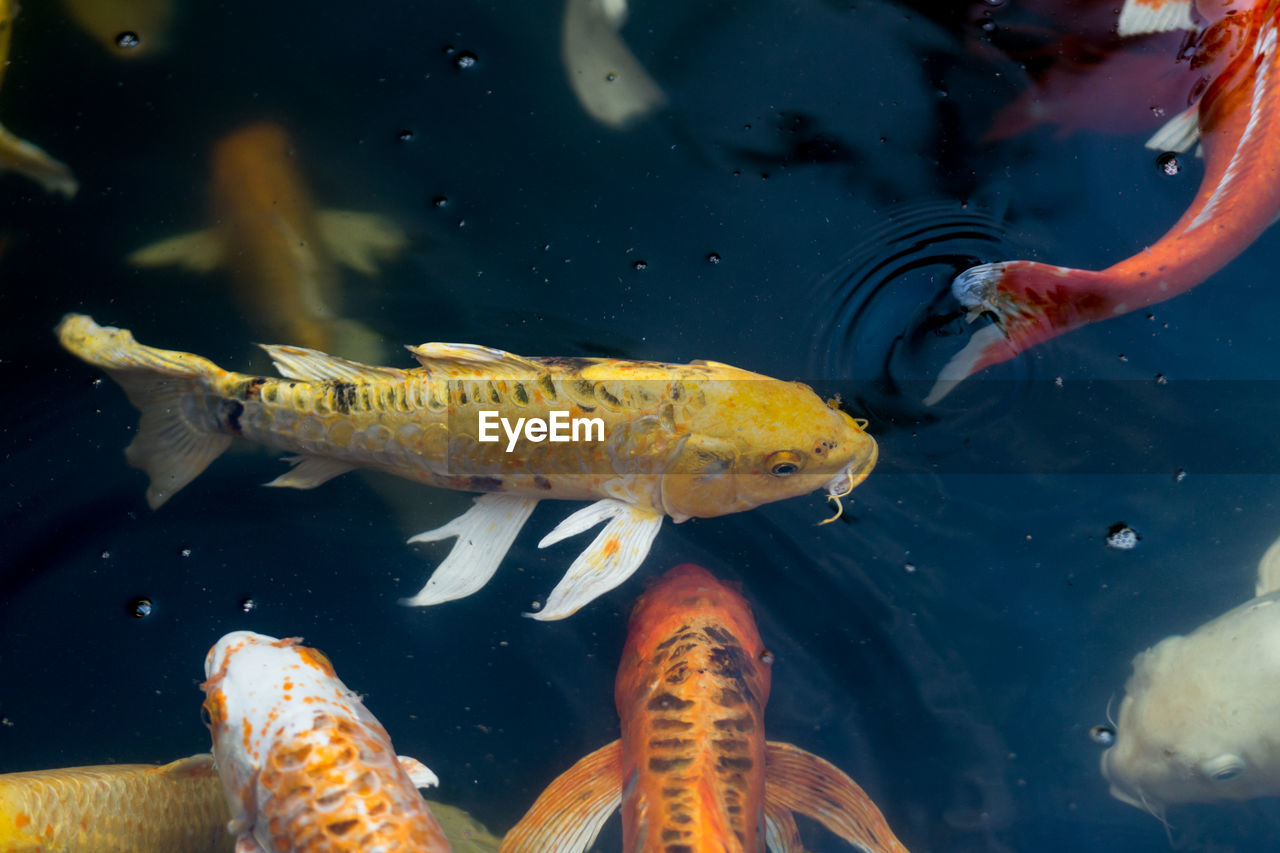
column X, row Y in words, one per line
column 127, row 40
column 140, row 608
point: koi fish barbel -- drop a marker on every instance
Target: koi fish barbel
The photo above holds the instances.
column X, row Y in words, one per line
column 694, row 440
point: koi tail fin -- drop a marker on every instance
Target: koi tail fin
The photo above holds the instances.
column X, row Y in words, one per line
column 569, row 814
column 20, row 156
column 1030, row 303
column 799, row 781
column 175, row 440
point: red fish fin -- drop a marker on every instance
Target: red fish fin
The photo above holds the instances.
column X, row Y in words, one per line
column 780, row 831
column 802, row 782
column 1031, row 303
column 1154, row 16
column 568, row 815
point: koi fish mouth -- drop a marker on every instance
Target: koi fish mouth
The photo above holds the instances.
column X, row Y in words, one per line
column 848, row 479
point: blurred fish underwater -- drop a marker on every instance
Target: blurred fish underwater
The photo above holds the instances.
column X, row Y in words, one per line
column 787, row 188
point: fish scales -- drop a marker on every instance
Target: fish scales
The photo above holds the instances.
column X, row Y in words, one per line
column 115, row 808
column 695, row 737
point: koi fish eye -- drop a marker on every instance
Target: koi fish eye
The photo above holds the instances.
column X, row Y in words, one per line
column 1220, row 768
column 784, row 463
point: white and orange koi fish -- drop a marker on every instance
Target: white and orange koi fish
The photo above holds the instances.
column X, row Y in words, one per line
column 687, row 441
column 304, row 765
column 1237, row 122
column 281, row 250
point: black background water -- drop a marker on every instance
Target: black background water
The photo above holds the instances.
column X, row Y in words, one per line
column 949, row 643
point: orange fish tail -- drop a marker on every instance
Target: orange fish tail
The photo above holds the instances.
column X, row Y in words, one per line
column 336, row 788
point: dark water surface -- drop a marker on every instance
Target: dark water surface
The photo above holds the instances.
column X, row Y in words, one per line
column 949, row 643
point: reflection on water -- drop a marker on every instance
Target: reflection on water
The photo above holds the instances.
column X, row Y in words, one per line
column 950, row 642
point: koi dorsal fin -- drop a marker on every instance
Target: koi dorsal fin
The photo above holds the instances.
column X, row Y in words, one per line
column 802, row 782
column 466, row 360
column 308, row 365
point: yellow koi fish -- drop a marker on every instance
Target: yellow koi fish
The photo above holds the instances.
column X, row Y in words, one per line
column 282, row 252
column 115, row 808
column 687, row 441
column 16, row 154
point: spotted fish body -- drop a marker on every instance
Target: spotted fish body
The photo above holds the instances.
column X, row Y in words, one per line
column 115, row 808
column 692, row 771
column 695, row 440
column 304, row 765
column 691, row 692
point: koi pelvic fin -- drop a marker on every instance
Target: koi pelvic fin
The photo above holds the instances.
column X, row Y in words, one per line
column 485, row 533
column 799, row 781
column 568, row 815
column 611, row 558
column 198, row 251
column 170, row 446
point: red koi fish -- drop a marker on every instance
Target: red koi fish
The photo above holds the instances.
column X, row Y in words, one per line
column 1236, row 118
column 692, row 771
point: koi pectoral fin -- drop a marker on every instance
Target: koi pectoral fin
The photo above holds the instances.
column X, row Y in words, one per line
column 781, row 834
column 986, row 346
column 199, row 251
column 611, row 558
column 485, row 533
column 309, row 471
column 23, row 157
column 246, row 843
column 360, row 240
column 800, row 781
column 568, row 815
column 419, row 774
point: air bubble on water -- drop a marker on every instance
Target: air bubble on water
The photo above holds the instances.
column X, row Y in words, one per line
column 640, row 265
column 535, row 605
column 106, row 555
column 909, row 568
column 713, row 258
column 610, row 77
column 988, row 26
column 248, row 605
column 184, row 552
column 1168, row 163
column 1123, row 357
column 1104, row 735
column 127, row 40
column 1161, row 380
column 405, row 136
column 440, row 201
column 1122, row 537
column 766, row 656
column 140, row 608
column 97, row 382
column 1179, row 475
column 465, row 60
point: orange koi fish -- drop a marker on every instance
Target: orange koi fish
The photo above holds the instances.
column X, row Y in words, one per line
column 282, row 252
column 115, row 808
column 692, row 770
column 1237, row 121
column 682, row 440
column 305, row 767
